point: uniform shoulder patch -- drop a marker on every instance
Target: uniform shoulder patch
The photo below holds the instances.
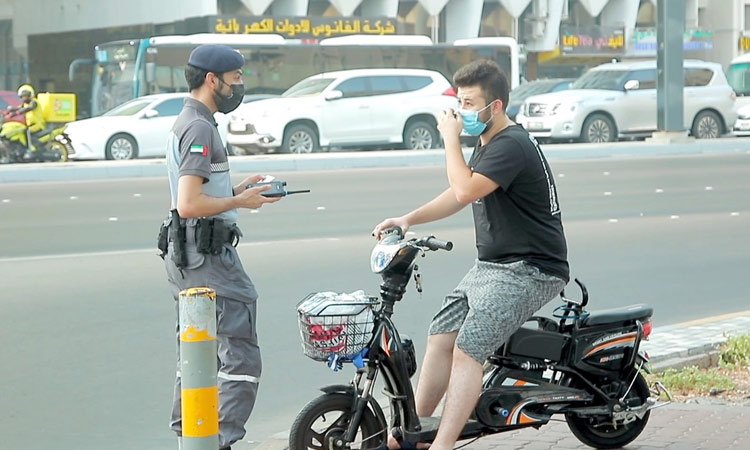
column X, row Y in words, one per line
column 202, row 149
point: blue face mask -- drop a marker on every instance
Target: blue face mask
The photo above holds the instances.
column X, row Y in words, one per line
column 472, row 124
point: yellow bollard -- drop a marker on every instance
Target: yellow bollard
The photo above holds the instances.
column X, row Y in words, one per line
column 200, row 395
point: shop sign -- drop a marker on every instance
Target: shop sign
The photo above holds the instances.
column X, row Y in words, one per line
column 644, row 41
column 591, row 40
column 304, row 27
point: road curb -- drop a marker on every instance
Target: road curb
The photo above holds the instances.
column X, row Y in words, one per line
column 96, row 170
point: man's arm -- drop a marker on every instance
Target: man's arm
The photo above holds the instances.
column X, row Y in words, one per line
column 192, row 202
column 467, row 186
column 440, row 207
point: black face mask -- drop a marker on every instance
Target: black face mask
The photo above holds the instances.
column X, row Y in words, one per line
column 229, row 104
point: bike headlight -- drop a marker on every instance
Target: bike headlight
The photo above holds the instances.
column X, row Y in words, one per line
column 382, row 255
column 564, row 108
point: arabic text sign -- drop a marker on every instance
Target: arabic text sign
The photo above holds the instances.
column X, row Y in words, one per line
column 303, row 27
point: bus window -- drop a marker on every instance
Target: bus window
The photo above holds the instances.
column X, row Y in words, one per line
column 738, row 76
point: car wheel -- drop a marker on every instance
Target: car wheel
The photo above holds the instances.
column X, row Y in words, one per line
column 421, row 135
column 598, row 128
column 707, row 125
column 300, row 139
column 121, row 146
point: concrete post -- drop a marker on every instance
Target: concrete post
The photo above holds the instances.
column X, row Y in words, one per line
column 670, row 27
column 200, row 395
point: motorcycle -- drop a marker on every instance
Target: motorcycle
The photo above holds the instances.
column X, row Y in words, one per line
column 585, row 366
column 52, row 145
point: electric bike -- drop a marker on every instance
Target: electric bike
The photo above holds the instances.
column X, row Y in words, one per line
column 584, row 366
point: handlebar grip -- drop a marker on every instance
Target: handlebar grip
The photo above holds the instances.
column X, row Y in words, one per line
column 436, row 244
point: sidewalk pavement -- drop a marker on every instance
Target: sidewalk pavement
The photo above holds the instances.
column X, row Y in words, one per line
column 675, row 426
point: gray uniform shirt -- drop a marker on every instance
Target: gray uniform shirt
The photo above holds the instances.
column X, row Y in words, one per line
column 194, row 147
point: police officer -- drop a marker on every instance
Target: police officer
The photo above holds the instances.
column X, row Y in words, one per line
column 198, row 240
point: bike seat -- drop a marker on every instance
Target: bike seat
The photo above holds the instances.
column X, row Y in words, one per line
column 633, row 312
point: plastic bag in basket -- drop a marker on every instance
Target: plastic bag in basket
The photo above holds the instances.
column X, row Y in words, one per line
column 333, row 323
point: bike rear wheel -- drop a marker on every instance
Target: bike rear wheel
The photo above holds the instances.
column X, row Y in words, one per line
column 322, row 423
column 599, row 432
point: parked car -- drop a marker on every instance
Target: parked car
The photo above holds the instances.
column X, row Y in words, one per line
column 618, row 100
column 137, row 128
column 362, row 107
column 742, row 125
column 536, row 87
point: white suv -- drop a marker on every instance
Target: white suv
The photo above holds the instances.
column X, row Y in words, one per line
column 618, row 100
column 362, row 107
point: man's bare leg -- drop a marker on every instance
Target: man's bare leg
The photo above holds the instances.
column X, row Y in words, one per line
column 434, row 376
column 435, row 373
column 463, row 392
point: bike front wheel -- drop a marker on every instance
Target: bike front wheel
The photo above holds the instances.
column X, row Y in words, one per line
column 322, row 424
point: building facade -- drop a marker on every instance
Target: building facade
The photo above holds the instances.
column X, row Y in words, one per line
column 39, row 38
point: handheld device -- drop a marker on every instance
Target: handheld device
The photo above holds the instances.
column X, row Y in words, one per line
column 278, row 189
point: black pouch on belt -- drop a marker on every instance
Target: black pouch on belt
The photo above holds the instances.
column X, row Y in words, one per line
column 204, row 231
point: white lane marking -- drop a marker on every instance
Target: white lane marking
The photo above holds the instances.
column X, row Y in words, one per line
column 6, row 200
column 674, row 217
column 734, row 214
column 254, row 211
column 73, row 197
column 606, row 174
column 562, row 175
column 137, row 195
column 154, row 250
column 613, row 220
column 659, row 191
column 113, row 219
column 709, row 188
column 321, row 208
column 607, row 194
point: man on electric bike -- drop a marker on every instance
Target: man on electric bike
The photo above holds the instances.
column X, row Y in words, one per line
column 522, row 252
column 35, row 123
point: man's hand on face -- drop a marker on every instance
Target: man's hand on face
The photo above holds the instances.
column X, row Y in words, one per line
column 450, row 124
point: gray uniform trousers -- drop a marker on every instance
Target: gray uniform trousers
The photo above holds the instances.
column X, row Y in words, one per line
column 238, row 355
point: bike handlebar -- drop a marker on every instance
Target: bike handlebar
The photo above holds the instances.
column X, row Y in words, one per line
column 433, row 243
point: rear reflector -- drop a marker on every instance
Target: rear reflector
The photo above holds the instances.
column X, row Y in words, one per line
column 647, row 327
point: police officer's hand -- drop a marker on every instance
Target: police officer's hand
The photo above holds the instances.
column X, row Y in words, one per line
column 240, row 188
column 450, row 123
column 252, row 198
column 400, row 222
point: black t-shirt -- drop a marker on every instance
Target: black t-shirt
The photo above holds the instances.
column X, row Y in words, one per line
column 520, row 220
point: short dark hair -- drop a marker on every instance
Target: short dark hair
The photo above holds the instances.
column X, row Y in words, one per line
column 195, row 77
column 488, row 76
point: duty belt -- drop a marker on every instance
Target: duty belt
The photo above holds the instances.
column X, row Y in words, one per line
column 210, row 236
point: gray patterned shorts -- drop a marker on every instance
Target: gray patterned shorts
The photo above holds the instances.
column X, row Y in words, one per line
column 491, row 302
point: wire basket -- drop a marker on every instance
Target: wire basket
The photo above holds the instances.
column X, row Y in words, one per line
column 335, row 324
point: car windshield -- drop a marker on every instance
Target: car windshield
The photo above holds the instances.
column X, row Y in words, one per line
column 128, row 108
column 738, row 76
column 309, row 86
column 533, row 88
column 601, row 79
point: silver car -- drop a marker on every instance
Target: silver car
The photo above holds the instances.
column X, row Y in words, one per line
column 618, row 100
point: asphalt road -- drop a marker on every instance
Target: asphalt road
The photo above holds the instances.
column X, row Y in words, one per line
column 87, row 354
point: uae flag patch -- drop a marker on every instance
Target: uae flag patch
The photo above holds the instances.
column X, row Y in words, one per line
column 202, row 149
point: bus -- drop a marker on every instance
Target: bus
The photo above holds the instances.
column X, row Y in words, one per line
column 124, row 70
column 738, row 76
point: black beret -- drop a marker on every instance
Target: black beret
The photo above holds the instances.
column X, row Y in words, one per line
column 216, row 58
